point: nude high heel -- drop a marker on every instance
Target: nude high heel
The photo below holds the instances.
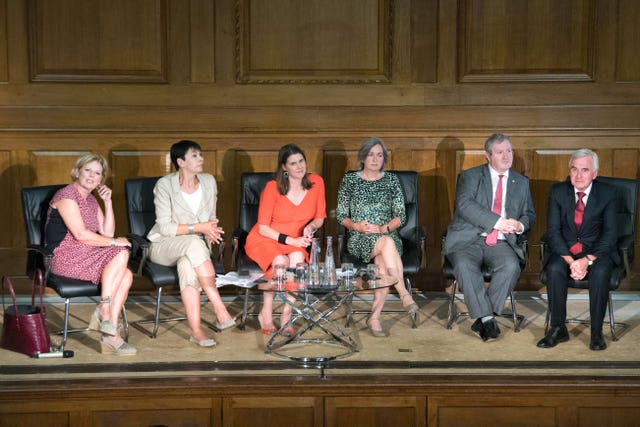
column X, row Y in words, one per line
column 410, row 308
column 378, row 333
column 109, row 345
column 97, row 323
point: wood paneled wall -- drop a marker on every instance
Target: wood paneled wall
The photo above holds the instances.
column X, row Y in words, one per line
column 243, row 77
column 342, row 399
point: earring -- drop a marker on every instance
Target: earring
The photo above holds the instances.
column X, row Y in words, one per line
column 286, row 174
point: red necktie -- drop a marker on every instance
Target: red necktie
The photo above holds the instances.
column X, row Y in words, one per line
column 492, row 238
column 577, row 218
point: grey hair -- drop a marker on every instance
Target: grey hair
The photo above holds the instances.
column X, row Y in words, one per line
column 496, row 138
column 584, row 152
column 367, row 145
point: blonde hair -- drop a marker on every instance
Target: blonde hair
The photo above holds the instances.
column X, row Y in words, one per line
column 86, row 159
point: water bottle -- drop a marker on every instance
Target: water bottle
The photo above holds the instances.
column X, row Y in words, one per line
column 314, row 279
column 330, row 265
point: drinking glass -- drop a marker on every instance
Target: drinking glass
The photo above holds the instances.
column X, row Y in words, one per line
column 279, row 273
column 347, row 274
column 302, row 274
column 322, row 274
column 373, row 271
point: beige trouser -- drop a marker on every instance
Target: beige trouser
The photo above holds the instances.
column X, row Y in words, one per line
column 186, row 252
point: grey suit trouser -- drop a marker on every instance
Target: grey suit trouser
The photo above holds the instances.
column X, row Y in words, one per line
column 505, row 267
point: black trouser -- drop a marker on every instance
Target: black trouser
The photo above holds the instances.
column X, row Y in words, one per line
column 599, row 276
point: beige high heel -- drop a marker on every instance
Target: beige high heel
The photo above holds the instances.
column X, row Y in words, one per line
column 378, row 333
column 108, row 345
column 411, row 308
column 97, row 323
column 207, row 342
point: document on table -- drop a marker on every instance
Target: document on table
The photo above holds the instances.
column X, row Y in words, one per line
column 233, row 278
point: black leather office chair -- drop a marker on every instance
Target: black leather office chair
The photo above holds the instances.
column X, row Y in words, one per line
column 251, row 186
column 141, row 213
column 627, row 213
column 447, row 272
column 35, row 204
column 413, row 237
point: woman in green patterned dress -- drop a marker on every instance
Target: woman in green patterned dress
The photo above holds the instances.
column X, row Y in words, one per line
column 371, row 208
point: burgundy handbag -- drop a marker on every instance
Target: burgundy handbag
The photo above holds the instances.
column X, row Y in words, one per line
column 25, row 326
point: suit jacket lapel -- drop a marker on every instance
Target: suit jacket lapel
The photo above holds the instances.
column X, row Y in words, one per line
column 487, row 192
column 591, row 201
column 512, row 194
column 570, row 207
column 177, row 194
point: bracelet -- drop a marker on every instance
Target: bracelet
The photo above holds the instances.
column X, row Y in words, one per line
column 192, row 229
column 113, row 241
column 282, row 238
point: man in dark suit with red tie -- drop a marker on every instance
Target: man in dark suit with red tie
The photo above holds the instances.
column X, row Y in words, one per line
column 493, row 206
column 581, row 235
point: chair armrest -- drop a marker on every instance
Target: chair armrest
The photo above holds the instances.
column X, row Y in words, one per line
column 543, row 246
column 442, row 240
column 217, row 259
column 341, row 235
column 139, row 249
column 139, row 241
column 47, row 256
column 421, row 236
column 625, row 246
column 238, row 239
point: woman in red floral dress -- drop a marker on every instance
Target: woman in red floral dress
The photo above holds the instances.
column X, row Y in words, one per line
column 81, row 236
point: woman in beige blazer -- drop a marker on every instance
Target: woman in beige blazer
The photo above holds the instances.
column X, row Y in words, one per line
column 186, row 223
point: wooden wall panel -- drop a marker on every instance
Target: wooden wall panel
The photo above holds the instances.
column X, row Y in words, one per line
column 54, row 167
column 376, row 411
column 8, row 190
column 628, row 40
column 202, row 41
column 97, row 40
column 515, row 410
column 273, row 411
column 286, row 41
column 504, row 40
column 4, row 42
column 595, row 416
column 424, row 41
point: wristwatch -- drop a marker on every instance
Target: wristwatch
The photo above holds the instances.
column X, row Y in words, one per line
column 589, row 260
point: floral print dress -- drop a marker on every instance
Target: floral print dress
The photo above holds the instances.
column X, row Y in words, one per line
column 377, row 202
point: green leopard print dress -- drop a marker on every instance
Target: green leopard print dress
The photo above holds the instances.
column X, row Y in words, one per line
column 377, row 202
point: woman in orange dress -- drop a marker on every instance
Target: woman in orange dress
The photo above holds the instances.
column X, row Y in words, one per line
column 292, row 207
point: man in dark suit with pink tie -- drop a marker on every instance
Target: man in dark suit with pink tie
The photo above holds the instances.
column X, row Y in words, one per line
column 581, row 235
column 492, row 207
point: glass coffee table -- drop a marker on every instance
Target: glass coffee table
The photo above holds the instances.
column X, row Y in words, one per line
column 318, row 338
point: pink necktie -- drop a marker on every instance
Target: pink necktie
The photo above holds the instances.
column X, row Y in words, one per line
column 577, row 218
column 492, row 238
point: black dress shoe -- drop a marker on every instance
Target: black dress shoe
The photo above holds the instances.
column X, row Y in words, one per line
column 597, row 342
column 477, row 327
column 491, row 331
column 556, row 334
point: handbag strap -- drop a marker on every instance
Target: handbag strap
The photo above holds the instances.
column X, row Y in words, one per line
column 13, row 294
column 37, row 275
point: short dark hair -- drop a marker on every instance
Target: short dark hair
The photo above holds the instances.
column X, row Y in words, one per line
column 180, row 149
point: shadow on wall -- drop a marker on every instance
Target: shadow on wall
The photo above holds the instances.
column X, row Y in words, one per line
column 234, row 163
column 12, row 181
